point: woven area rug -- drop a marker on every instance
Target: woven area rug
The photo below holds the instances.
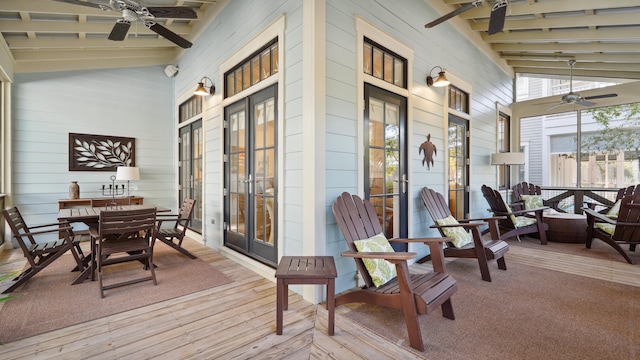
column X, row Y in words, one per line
column 599, row 249
column 48, row 301
column 524, row 313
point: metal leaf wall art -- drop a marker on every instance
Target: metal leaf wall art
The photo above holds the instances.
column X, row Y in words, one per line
column 100, row 152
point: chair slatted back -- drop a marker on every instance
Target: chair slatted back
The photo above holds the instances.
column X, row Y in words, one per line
column 118, row 222
column 628, row 191
column 19, row 227
column 186, row 210
column 435, row 203
column 524, row 188
column 357, row 220
column 629, row 213
column 497, row 206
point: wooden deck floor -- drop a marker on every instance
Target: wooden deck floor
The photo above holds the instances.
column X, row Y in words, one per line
column 237, row 321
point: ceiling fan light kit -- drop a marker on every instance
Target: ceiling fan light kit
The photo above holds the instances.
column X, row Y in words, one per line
column 440, row 81
column 132, row 11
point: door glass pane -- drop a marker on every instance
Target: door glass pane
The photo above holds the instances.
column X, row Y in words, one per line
column 237, row 169
column 384, row 157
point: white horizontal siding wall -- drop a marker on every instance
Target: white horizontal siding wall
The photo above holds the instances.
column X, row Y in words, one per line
column 46, row 107
column 440, row 46
column 233, row 30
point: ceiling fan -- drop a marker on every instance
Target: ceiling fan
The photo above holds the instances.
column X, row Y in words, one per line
column 573, row 98
column 496, row 19
column 132, row 11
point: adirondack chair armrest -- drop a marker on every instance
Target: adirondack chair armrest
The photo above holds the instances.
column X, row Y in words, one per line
column 524, row 212
column 428, row 240
column 56, row 224
column 166, row 217
column 64, row 228
column 435, row 249
column 466, row 225
column 389, row 256
column 484, row 219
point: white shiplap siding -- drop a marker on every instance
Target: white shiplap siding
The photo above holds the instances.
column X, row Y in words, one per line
column 129, row 102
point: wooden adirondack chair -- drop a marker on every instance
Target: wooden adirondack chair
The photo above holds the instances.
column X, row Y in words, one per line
column 513, row 221
column 524, row 188
column 483, row 250
column 621, row 230
column 414, row 294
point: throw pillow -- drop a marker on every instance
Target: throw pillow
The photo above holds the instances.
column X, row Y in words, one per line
column 606, row 227
column 615, row 209
column 459, row 235
column 519, row 221
column 380, row 270
column 532, row 201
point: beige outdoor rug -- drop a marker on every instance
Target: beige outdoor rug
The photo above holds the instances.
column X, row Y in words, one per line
column 48, row 301
column 524, row 313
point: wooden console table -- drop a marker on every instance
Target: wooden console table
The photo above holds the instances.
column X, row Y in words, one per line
column 96, row 202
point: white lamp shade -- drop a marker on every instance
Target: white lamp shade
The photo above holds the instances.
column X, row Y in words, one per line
column 507, row 158
column 127, row 173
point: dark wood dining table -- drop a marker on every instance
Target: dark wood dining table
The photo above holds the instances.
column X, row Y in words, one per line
column 91, row 217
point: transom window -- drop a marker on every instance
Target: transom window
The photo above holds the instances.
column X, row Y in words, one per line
column 384, row 64
column 458, row 99
column 257, row 67
column 190, row 108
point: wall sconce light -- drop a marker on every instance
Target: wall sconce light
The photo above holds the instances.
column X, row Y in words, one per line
column 201, row 90
column 440, row 81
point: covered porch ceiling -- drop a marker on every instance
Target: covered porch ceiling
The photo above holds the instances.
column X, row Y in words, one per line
column 539, row 36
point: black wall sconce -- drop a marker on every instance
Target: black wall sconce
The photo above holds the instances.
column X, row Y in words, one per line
column 440, row 81
column 201, row 90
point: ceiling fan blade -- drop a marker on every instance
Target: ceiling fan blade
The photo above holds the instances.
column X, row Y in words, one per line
column 168, row 34
column 600, row 96
column 82, row 3
column 556, row 105
column 120, row 30
column 173, row 12
column 584, row 102
column 455, row 12
column 496, row 19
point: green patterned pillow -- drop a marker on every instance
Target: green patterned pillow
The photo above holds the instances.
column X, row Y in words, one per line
column 380, row 270
column 606, row 227
column 513, row 217
column 459, row 235
column 532, row 201
column 615, row 209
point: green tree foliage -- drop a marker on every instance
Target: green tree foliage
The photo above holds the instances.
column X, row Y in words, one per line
column 618, row 130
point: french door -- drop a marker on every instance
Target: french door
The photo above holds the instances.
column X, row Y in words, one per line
column 190, row 170
column 385, row 169
column 250, row 184
column 458, row 167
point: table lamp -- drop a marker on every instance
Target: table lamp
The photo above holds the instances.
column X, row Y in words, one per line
column 128, row 173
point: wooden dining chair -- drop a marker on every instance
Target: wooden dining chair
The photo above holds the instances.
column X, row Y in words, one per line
column 40, row 254
column 122, row 236
column 174, row 235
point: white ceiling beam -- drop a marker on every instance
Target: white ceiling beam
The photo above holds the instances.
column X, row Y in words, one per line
column 67, row 65
column 91, row 54
column 572, row 48
column 65, row 27
column 555, row 6
column 131, row 42
column 564, row 22
column 631, row 34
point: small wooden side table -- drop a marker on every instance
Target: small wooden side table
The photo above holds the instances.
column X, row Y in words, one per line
column 311, row 270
